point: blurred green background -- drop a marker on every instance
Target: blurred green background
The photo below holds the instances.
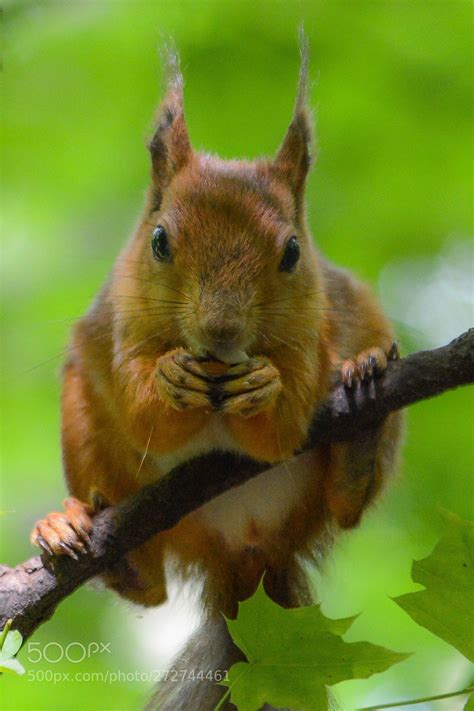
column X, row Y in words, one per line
column 389, row 198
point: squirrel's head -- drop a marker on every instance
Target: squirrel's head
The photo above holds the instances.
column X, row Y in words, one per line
column 224, row 247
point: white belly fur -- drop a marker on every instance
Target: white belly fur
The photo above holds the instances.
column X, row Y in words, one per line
column 260, row 504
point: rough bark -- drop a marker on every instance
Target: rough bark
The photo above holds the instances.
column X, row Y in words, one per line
column 30, row 593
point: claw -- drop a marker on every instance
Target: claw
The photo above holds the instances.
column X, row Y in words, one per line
column 362, row 369
column 348, row 377
column 80, row 546
column 68, row 550
column 44, row 545
column 371, row 363
column 394, row 352
column 85, row 538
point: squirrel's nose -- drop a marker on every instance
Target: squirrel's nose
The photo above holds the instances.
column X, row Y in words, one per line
column 222, row 327
column 221, row 332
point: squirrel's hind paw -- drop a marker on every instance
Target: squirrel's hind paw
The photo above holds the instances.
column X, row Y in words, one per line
column 365, row 366
column 358, row 374
column 64, row 533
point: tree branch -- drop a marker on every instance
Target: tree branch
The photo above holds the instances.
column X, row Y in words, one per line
column 30, row 593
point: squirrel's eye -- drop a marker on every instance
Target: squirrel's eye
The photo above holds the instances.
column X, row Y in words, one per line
column 160, row 245
column 290, row 255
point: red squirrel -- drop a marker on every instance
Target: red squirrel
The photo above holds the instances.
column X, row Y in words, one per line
column 221, row 276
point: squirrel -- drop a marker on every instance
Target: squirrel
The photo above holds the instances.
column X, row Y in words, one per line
column 221, row 327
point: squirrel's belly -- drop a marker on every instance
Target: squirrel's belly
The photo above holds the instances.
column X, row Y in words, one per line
column 247, row 514
column 254, row 513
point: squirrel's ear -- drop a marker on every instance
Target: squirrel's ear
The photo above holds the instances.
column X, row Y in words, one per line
column 294, row 157
column 170, row 148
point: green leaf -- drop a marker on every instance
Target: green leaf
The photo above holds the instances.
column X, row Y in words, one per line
column 11, row 644
column 293, row 655
column 446, row 606
column 469, row 706
column 12, row 666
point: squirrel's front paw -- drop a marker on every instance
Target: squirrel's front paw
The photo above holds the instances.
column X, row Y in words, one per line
column 64, row 533
column 250, row 387
column 182, row 381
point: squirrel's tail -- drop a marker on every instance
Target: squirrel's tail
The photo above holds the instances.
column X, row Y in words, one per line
column 192, row 682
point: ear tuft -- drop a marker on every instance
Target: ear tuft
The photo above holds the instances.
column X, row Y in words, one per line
column 169, row 147
column 294, row 157
column 302, row 96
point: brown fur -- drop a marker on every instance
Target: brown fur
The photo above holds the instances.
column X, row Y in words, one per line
column 228, row 223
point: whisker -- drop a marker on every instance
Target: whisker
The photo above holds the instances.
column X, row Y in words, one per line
column 145, row 452
column 155, row 283
column 111, row 299
column 72, row 348
column 350, row 316
column 284, row 341
column 289, row 298
column 65, row 352
column 132, row 351
column 150, row 310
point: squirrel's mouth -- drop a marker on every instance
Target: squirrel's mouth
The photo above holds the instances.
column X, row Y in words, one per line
column 230, row 351
column 228, row 354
